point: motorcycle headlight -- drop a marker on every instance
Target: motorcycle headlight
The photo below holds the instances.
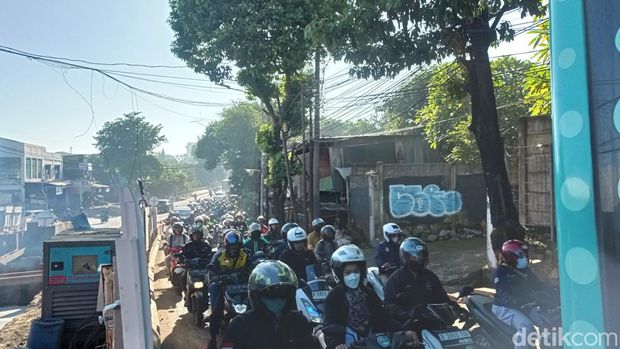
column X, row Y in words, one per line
column 198, row 284
column 240, row 308
column 316, row 319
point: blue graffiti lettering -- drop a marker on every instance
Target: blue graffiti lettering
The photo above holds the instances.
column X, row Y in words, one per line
column 412, row 200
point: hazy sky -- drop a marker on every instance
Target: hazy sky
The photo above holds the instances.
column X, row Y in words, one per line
column 38, row 106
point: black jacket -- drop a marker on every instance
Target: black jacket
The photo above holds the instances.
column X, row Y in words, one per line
column 299, row 261
column 421, row 290
column 337, row 311
column 253, row 330
column 197, row 249
column 515, row 288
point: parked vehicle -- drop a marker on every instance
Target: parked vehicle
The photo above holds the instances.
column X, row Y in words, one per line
column 44, row 218
column 163, row 206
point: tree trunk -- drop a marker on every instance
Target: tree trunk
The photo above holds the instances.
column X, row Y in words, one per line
column 279, row 192
column 485, row 127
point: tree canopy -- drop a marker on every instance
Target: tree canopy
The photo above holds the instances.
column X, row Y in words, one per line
column 127, row 145
column 538, row 81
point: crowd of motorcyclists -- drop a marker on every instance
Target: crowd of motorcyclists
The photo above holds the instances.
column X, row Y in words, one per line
column 289, row 258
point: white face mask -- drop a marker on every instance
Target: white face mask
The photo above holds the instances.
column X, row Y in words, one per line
column 352, row 280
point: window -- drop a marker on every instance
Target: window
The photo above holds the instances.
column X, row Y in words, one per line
column 28, row 168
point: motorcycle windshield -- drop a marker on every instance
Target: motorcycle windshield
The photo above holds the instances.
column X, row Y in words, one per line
column 310, row 273
column 441, row 312
column 235, row 289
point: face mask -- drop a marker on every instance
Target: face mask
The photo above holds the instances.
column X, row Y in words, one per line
column 352, row 280
column 275, row 306
column 522, row 263
column 414, row 266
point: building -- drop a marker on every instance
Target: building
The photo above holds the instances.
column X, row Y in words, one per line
column 30, row 176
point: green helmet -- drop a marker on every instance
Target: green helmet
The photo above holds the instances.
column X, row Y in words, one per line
column 269, row 280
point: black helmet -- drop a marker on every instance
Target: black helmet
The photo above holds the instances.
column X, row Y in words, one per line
column 272, row 280
column 197, row 231
column 177, row 225
column 286, row 228
column 328, row 232
column 414, row 251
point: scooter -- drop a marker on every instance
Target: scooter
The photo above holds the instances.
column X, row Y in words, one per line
column 381, row 340
column 236, row 300
column 310, row 298
column 197, row 289
column 175, row 268
column 492, row 332
column 372, row 274
column 434, row 324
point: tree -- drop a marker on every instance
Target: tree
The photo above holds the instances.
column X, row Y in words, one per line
column 447, row 114
column 231, row 142
column 174, row 179
column 335, row 127
column 538, row 81
column 127, row 144
column 382, row 38
column 263, row 39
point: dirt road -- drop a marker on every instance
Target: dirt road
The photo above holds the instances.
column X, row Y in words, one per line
column 176, row 325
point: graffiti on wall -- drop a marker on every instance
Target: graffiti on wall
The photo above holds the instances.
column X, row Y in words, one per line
column 418, row 201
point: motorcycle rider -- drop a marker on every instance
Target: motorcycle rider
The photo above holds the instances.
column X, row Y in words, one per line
column 239, row 223
column 256, row 242
column 276, row 247
column 298, row 257
column 196, row 248
column 273, row 322
column 326, row 246
column 232, row 259
column 177, row 238
column 200, row 223
column 273, row 233
column 262, row 221
column 387, row 252
column 517, row 286
column 352, row 304
column 315, row 234
column 421, row 286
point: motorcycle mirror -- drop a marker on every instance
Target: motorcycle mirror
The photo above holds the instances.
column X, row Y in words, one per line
column 466, row 291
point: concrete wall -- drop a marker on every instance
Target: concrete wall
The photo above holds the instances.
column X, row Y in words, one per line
column 535, row 179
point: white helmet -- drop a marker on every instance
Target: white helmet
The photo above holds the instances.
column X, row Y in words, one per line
column 318, row 222
column 344, row 255
column 391, row 229
column 295, row 234
column 273, row 221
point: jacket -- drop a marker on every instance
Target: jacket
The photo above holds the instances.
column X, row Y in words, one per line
column 197, row 249
column 423, row 289
column 255, row 245
column 177, row 240
column 337, row 311
column 253, row 330
column 313, row 238
column 324, row 250
column 224, row 264
column 299, row 261
column 387, row 252
column 515, row 288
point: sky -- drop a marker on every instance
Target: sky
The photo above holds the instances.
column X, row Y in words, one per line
column 52, row 107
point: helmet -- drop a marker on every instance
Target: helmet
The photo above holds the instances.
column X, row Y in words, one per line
column 199, row 219
column 414, row 250
column 286, row 228
column 255, row 230
column 273, row 221
column 328, row 232
column 232, row 238
column 271, row 280
column 176, row 225
column 261, row 219
column 238, row 215
column 197, row 231
column 344, row 255
column 317, row 224
column 512, row 250
column 294, row 235
column 391, row 229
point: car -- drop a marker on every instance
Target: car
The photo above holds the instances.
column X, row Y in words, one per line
column 219, row 194
column 184, row 212
column 163, row 206
column 44, row 218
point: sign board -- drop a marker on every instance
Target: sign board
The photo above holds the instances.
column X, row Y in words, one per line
column 85, row 166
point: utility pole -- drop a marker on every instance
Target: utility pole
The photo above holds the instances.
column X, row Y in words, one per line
column 316, row 211
column 289, row 179
column 304, row 195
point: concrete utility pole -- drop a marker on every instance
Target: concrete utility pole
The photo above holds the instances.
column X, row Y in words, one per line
column 316, row 206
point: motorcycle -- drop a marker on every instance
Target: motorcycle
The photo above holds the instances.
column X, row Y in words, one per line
column 435, row 325
column 491, row 331
column 381, row 340
column 175, row 267
column 310, row 298
column 373, row 276
column 197, row 289
column 236, row 300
